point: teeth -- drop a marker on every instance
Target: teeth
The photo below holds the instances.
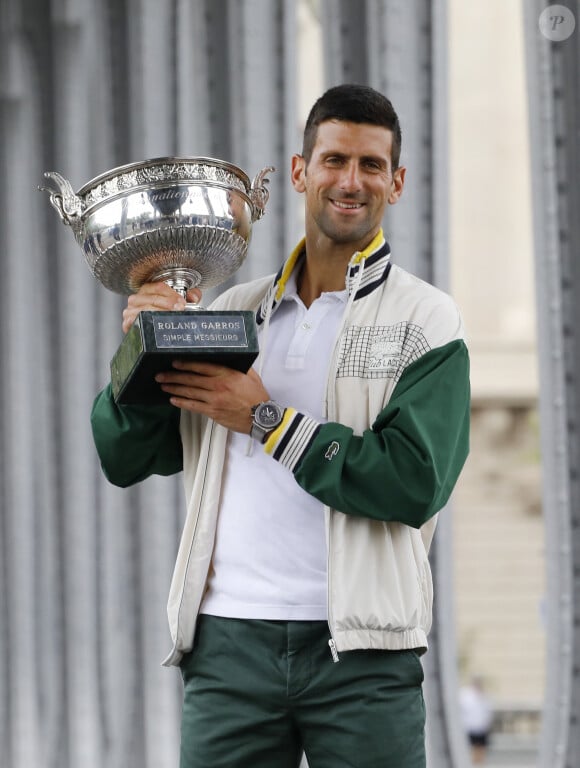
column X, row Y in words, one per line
column 346, row 205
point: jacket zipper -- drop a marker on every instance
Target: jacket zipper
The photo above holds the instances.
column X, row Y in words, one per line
column 330, row 414
column 331, row 641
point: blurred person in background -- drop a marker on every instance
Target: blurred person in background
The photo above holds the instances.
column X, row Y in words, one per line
column 302, row 595
column 477, row 718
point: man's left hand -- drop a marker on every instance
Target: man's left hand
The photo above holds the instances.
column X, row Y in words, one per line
column 221, row 393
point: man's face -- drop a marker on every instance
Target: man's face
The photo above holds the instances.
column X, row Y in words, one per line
column 348, row 182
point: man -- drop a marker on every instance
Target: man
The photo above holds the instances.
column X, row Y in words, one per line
column 302, row 596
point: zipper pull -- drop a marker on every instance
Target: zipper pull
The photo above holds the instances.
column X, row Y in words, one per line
column 332, row 646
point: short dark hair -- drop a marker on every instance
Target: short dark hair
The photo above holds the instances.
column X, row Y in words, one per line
column 353, row 104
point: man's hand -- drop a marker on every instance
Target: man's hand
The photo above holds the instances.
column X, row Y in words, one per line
column 156, row 296
column 221, row 393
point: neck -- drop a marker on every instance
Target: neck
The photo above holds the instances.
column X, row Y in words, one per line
column 325, row 264
column 321, row 273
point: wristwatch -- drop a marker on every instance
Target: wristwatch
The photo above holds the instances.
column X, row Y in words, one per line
column 265, row 418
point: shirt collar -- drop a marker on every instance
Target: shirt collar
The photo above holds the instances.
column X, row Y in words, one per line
column 374, row 261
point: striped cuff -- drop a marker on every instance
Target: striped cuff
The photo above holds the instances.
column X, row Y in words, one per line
column 292, row 439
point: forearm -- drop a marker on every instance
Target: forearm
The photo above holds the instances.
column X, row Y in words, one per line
column 405, row 466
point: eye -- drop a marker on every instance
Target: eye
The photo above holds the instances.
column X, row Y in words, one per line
column 334, row 160
column 374, row 165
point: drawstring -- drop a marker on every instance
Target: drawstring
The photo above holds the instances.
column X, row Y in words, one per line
column 353, row 293
column 333, row 363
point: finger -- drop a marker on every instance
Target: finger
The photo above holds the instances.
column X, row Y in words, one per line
column 179, row 389
column 152, row 297
column 194, row 406
column 194, row 296
column 156, row 288
column 193, row 383
column 128, row 319
column 202, row 368
column 156, row 296
column 190, row 396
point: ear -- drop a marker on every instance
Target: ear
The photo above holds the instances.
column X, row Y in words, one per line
column 298, row 173
column 397, row 186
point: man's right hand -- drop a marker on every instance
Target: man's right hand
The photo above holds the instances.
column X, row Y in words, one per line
column 156, row 296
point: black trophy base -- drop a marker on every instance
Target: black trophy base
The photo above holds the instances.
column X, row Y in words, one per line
column 157, row 338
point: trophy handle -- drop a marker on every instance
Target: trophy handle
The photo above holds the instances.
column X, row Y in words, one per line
column 68, row 205
column 259, row 192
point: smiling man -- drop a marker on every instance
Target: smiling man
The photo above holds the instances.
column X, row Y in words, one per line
column 301, row 599
column 348, row 177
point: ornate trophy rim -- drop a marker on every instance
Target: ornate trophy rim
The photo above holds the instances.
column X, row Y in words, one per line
column 121, row 170
column 159, row 171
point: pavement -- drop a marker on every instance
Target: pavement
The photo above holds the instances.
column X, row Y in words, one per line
column 504, row 753
column 511, row 753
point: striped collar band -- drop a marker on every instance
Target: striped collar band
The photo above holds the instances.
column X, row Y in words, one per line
column 374, row 261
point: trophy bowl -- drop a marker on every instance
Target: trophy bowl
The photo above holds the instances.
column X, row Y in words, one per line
column 184, row 220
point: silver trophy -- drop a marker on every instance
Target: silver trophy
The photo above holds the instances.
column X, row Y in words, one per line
column 186, row 221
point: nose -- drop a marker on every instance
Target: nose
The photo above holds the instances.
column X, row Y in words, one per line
column 350, row 178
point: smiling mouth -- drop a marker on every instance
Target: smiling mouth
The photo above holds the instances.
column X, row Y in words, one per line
column 346, row 206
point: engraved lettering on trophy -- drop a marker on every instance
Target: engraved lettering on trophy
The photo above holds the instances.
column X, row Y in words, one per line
column 172, row 325
column 168, row 194
column 217, row 330
column 177, row 338
column 230, row 326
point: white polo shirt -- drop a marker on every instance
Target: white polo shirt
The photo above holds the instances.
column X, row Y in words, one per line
column 269, row 559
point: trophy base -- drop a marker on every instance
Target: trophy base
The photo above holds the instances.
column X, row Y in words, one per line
column 155, row 339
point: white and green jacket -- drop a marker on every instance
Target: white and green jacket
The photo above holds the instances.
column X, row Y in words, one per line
column 384, row 464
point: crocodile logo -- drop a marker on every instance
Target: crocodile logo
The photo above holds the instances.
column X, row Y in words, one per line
column 332, row 450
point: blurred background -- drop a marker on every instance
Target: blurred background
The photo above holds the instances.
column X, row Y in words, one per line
column 488, row 95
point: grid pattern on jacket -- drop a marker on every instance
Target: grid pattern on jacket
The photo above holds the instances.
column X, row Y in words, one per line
column 381, row 351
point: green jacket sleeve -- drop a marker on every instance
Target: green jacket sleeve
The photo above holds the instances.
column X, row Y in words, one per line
column 134, row 442
column 405, row 466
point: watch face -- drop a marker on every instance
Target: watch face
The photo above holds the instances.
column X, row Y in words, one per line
column 268, row 415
